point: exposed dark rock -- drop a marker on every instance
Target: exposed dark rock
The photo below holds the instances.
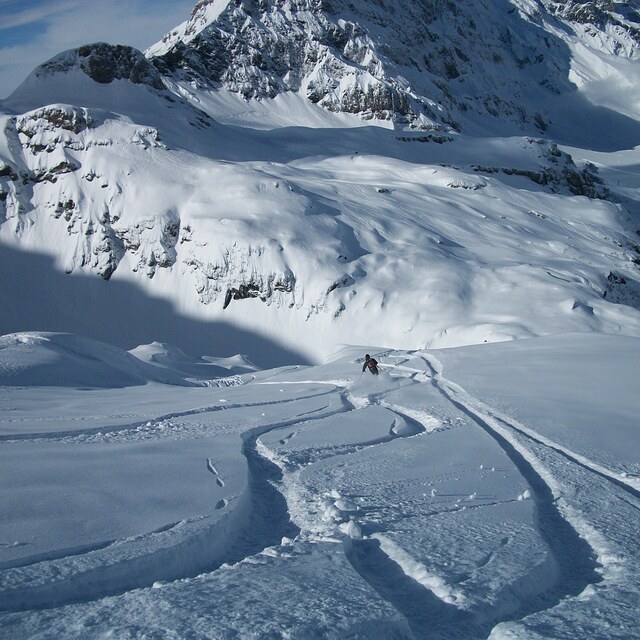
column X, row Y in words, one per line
column 438, row 139
column 242, row 292
column 562, row 173
column 67, row 208
column 345, row 281
column 261, row 288
column 260, row 49
column 622, row 289
column 105, row 63
column 52, row 174
column 6, row 170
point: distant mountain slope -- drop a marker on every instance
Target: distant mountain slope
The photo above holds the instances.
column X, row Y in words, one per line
column 426, row 229
column 66, row 360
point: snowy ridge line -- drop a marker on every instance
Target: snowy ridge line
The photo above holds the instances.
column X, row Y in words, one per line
column 66, row 436
column 69, row 552
column 247, row 530
column 61, row 418
column 567, row 522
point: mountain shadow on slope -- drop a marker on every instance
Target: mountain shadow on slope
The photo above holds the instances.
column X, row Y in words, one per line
column 118, row 313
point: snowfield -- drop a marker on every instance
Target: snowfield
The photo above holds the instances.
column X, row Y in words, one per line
column 482, row 491
column 199, row 245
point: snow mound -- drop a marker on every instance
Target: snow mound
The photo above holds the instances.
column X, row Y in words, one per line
column 171, row 357
column 67, row 360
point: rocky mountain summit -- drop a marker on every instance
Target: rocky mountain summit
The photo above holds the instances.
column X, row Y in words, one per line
column 428, row 64
column 105, row 63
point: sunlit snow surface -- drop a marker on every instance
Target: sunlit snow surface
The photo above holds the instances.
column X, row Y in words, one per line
column 486, row 491
column 186, row 489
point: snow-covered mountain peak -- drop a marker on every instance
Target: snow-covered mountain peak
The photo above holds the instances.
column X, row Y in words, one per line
column 428, row 65
column 98, row 75
column 262, row 49
column 104, row 63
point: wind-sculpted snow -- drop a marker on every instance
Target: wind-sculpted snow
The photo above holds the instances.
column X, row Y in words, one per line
column 65, row 360
column 318, row 502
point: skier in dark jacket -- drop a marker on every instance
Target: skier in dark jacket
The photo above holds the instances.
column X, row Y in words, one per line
column 372, row 363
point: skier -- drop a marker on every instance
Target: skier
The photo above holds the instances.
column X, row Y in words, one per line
column 372, row 363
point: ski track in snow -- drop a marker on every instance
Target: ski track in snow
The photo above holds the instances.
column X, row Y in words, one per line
column 150, row 428
column 260, row 522
column 433, row 608
column 501, row 424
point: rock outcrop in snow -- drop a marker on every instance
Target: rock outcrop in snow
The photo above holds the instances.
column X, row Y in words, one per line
column 430, row 64
column 105, row 63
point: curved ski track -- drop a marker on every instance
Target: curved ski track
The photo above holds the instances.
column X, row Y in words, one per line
column 263, row 520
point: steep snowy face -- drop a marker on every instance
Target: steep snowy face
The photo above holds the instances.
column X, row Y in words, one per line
column 107, row 194
column 315, row 249
column 614, row 24
column 429, row 64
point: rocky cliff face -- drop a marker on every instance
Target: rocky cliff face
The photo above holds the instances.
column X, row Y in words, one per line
column 105, row 63
column 427, row 64
column 262, row 48
column 52, row 175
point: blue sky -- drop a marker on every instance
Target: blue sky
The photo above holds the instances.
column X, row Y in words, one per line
column 32, row 31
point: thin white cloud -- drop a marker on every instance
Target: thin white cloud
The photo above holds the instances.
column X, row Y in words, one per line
column 35, row 14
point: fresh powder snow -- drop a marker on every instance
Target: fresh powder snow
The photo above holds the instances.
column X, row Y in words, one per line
column 482, row 491
column 199, row 245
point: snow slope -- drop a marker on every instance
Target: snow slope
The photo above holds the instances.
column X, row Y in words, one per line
column 220, row 219
column 311, row 238
column 465, row 493
column 198, row 247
